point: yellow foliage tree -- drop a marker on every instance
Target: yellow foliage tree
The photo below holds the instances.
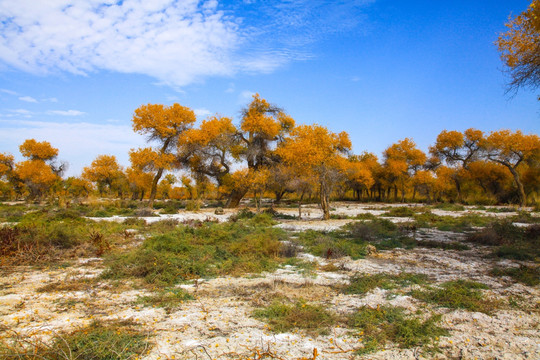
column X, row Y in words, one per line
column 458, row 150
column 106, row 173
column 262, row 127
column 40, row 172
column 520, row 48
column 313, row 150
column 402, row 160
column 164, row 125
column 511, row 149
column 210, row 149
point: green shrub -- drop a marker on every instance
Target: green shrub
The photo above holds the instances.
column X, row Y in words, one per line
column 169, row 299
column 513, row 242
column 282, row 317
column 449, row 207
column 113, row 341
column 332, row 245
column 459, row 294
column 524, row 274
column 362, row 284
column 382, row 233
column 450, row 223
column 209, row 250
column 387, row 324
column 400, row 211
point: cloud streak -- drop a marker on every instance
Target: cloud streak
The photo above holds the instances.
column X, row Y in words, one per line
column 28, row 99
column 78, row 143
column 177, row 42
column 66, row 112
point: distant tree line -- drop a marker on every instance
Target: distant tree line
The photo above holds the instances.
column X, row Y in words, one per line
column 268, row 155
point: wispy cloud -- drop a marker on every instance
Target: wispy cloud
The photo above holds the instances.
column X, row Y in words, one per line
column 245, row 96
column 202, row 112
column 78, row 143
column 28, row 99
column 10, row 92
column 66, row 112
column 177, row 42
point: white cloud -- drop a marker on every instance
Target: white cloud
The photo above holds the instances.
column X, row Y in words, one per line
column 10, row 92
column 66, row 112
column 78, row 143
column 17, row 113
column 174, row 41
column 202, row 112
column 28, row 99
column 231, row 88
column 52, row 99
column 245, row 96
column 177, row 42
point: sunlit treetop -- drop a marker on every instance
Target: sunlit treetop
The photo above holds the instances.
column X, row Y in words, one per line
column 160, row 122
column 38, row 150
column 147, row 159
column 511, row 147
column 405, row 151
column 6, row 163
column 103, row 167
column 264, row 119
column 36, row 171
column 520, row 48
column 454, row 146
column 211, row 130
column 313, row 145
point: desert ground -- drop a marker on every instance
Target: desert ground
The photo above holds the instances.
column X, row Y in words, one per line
column 217, row 320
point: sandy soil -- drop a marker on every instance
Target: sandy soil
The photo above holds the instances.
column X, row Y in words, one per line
column 218, row 323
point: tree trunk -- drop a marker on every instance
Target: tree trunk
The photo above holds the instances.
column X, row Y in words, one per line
column 234, row 198
column 154, row 188
column 300, row 205
column 325, row 202
column 519, row 184
column 458, row 189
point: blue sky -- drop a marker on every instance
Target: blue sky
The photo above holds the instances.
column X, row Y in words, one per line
column 381, row 70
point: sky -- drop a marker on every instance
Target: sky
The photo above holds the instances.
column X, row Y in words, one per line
column 73, row 72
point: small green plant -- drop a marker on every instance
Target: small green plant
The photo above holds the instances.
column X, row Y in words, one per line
column 99, row 341
column 332, row 245
column 513, row 242
column 386, row 324
column 432, row 244
column 449, row 207
column 400, row 211
column 210, row 249
column 193, row 205
column 459, row 294
column 362, row 284
column 527, row 275
column 169, row 299
column 451, row 223
column 280, row 317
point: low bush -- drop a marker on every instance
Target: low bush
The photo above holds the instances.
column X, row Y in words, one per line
column 209, row 250
column 450, row 223
column 459, row 294
column 527, row 275
column 385, row 324
column 169, row 299
column 513, row 242
column 382, row 233
column 401, row 211
column 99, row 341
column 363, row 283
column 313, row 319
